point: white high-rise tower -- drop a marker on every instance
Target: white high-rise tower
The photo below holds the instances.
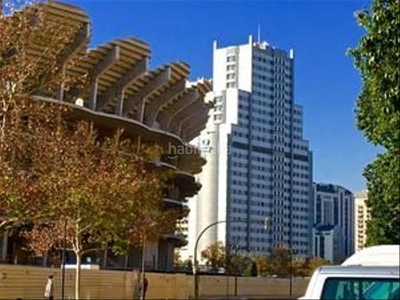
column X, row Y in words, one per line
column 258, row 164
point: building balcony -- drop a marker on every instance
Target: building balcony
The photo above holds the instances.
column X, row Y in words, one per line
column 178, row 240
column 172, row 203
column 188, row 186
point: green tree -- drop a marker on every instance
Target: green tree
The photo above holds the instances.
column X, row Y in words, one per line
column 237, row 263
column 215, row 255
column 188, row 265
column 251, row 269
column 22, row 74
column 383, row 200
column 177, row 259
column 102, row 189
column 278, row 262
column 55, row 170
column 377, row 57
column 262, row 264
column 305, row 268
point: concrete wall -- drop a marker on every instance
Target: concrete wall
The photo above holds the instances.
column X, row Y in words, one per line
column 29, row 282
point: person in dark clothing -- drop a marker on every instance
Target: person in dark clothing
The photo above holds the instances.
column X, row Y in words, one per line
column 143, row 288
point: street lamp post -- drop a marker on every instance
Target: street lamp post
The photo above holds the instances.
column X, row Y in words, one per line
column 143, row 268
column 292, row 251
column 291, row 273
column 236, row 268
column 63, row 260
column 196, row 265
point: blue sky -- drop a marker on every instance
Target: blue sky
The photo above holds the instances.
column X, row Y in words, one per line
column 326, row 84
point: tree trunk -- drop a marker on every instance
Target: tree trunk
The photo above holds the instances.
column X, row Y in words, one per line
column 126, row 260
column 45, row 258
column 4, row 246
column 78, row 254
column 105, row 254
column 78, row 274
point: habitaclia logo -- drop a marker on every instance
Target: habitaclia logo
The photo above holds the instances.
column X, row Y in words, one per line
column 205, row 149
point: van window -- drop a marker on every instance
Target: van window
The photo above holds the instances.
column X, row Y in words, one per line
column 361, row 289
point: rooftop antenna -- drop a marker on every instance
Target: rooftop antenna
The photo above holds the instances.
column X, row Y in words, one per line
column 258, row 33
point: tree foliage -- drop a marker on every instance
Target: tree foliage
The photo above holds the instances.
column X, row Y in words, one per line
column 383, row 200
column 262, row 265
column 377, row 57
column 378, row 115
column 251, row 269
column 278, row 264
column 22, row 75
column 219, row 256
column 305, row 268
column 56, row 171
column 215, row 256
column 101, row 188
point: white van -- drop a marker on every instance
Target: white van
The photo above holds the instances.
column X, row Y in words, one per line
column 385, row 255
column 370, row 274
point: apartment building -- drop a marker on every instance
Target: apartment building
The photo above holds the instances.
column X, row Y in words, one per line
column 361, row 216
column 334, row 206
column 258, row 177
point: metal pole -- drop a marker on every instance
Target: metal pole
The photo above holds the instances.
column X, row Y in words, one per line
column 143, row 268
column 196, row 264
column 63, row 260
column 290, row 276
column 228, row 263
column 236, row 269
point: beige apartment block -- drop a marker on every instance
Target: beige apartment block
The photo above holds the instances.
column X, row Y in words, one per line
column 361, row 216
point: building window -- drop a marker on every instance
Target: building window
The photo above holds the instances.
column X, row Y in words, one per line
column 231, row 58
column 218, row 99
column 217, row 117
column 218, row 108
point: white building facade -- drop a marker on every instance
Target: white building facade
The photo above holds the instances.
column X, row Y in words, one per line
column 361, row 216
column 328, row 243
column 259, row 167
column 334, row 206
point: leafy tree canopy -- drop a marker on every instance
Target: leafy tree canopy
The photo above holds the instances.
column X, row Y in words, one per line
column 57, row 171
column 377, row 57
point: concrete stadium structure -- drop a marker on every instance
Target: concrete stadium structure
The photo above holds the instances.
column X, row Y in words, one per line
column 155, row 106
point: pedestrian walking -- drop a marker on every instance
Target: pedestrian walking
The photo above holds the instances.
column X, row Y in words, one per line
column 143, row 288
column 49, row 290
